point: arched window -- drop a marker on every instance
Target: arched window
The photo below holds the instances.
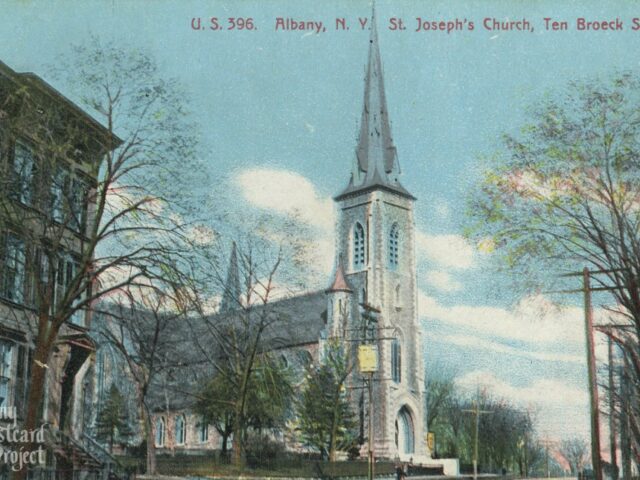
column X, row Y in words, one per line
column 394, row 245
column 304, row 358
column 203, row 431
column 396, row 361
column 160, row 432
column 359, row 248
column 284, row 363
column 181, row 430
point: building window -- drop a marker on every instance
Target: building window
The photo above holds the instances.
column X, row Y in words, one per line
column 59, row 194
column 394, row 246
column 23, row 173
column 68, row 268
column 180, row 430
column 284, row 363
column 396, row 361
column 12, row 275
column 304, row 358
column 160, row 432
column 6, row 353
column 78, row 204
column 359, row 247
column 203, row 432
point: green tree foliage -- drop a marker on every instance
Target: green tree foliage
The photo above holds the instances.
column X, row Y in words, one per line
column 113, row 419
column 326, row 419
column 506, row 436
column 269, row 395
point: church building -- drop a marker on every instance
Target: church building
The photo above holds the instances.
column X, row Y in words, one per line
column 372, row 299
column 377, row 273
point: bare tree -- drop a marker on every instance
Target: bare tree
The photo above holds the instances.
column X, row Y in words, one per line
column 565, row 195
column 231, row 340
column 145, row 327
column 90, row 210
column 575, row 450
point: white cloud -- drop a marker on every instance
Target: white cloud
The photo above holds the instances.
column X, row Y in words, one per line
column 543, row 392
column 451, row 251
column 535, row 320
column 473, row 342
column 289, row 193
column 286, row 192
column 442, row 281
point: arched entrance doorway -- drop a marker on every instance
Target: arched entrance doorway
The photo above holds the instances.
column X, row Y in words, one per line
column 405, row 437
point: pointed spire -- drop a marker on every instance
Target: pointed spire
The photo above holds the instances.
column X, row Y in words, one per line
column 231, row 295
column 339, row 283
column 376, row 162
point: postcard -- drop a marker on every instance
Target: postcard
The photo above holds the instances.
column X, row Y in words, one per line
column 319, row 239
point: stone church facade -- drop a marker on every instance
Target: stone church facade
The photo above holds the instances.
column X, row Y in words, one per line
column 374, row 284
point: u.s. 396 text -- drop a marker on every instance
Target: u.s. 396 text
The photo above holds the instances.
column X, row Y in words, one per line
column 217, row 23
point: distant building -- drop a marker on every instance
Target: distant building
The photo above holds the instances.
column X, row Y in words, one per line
column 44, row 206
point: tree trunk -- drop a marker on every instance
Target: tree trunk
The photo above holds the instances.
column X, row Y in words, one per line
column 225, row 439
column 35, row 397
column 334, row 428
column 237, row 443
column 151, row 447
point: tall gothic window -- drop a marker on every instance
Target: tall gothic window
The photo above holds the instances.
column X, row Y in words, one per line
column 160, row 432
column 181, row 430
column 203, row 431
column 359, row 248
column 394, row 237
column 396, row 361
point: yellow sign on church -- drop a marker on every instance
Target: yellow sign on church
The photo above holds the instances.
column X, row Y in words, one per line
column 368, row 358
column 431, row 441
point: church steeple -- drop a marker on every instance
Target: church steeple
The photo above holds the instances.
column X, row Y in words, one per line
column 231, row 294
column 376, row 163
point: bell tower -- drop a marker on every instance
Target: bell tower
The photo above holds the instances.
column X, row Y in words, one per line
column 376, row 242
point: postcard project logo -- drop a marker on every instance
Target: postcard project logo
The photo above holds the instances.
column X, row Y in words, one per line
column 19, row 447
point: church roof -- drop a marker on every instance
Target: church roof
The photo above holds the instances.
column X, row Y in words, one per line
column 293, row 322
column 376, row 164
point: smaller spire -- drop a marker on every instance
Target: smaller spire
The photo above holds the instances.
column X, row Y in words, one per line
column 339, row 283
column 231, row 294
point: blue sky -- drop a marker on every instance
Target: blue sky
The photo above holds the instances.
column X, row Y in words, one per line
column 279, row 109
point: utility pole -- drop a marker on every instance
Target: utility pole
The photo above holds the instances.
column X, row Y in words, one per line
column 477, row 412
column 591, row 363
column 371, row 458
column 613, row 444
column 625, row 437
column 593, row 386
